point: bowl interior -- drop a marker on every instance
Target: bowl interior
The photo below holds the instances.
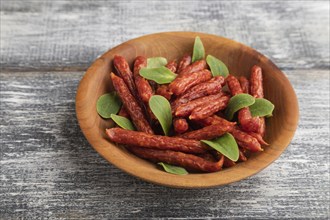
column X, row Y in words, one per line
column 173, row 45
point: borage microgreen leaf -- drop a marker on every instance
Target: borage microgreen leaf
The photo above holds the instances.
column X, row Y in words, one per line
column 198, row 51
column 173, row 169
column 108, row 104
column 122, row 122
column 226, row 145
column 160, row 75
column 237, row 102
column 155, row 62
column 162, row 110
column 262, row 107
column 218, row 68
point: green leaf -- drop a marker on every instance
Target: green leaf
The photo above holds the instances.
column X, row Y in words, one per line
column 199, row 51
column 155, row 62
column 160, row 75
column 173, row 169
column 162, row 110
column 122, row 122
column 237, row 102
column 218, row 68
column 108, row 104
column 262, row 107
column 226, row 145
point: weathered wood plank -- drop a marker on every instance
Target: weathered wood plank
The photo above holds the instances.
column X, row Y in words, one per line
column 48, row 170
column 71, row 34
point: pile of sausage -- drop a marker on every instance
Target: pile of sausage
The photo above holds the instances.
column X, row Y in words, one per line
column 197, row 101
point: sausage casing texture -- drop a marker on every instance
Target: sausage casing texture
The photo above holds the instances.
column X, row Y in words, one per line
column 262, row 128
column 228, row 163
column 186, row 109
column 208, row 156
column 241, row 156
column 188, row 161
column 142, row 139
column 247, row 122
column 209, row 87
column 172, row 66
column 194, row 67
column 182, row 84
column 208, row 132
column 205, row 111
column 245, row 85
column 131, row 105
column 123, row 112
column 180, row 125
column 184, row 62
column 256, row 82
column 163, row 90
column 246, row 141
column 214, row 119
column 234, row 85
column 125, row 72
column 258, row 136
column 142, row 85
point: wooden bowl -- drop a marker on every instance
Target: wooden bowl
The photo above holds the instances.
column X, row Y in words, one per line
column 173, row 45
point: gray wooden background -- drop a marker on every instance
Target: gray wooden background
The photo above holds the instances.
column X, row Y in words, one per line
column 48, row 170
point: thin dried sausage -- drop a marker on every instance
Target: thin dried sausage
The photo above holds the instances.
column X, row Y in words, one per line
column 262, row 128
column 143, row 87
column 186, row 109
column 163, row 90
column 184, row 62
column 228, row 163
column 241, row 156
column 194, row 67
column 182, row 84
column 258, row 136
column 208, row 157
column 172, row 66
column 208, row 132
column 125, row 72
column 205, row 111
column 246, row 141
column 123, row 112
column 233, row 85
column 131, row 105
column 209, row 87
column 247, row 122
column 180, row 125
column 245, row 85
column 256, row 82
column 188, row 161
column 144, row 90
column 214, row 119
column 142, row 139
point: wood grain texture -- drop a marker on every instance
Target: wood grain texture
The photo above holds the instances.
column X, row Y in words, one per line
column 47, row 168
column 70, row 34
column 173, row 45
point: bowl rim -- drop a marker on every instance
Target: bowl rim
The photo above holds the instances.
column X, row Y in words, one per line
column 188, row 184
